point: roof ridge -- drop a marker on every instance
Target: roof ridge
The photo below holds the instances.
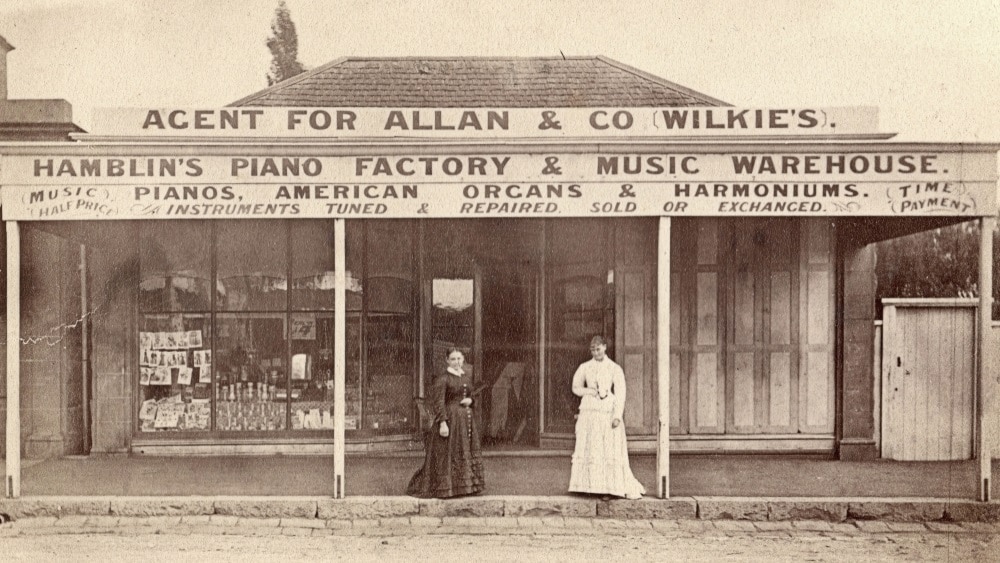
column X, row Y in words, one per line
column 662, row 81
column 284, row 83
column 571, row 88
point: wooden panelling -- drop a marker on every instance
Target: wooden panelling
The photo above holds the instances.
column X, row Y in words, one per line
column 781, row 306
column 743, row 389
column 815, row 370
column 818, row 389
column 818, row 243
column 818, row 328
column 676, row 307
column 706, row 392
column 708, row 309
column 743, row 308
column 636, row 395
column 708, row 241
column 780, row 400
column 751, row 315
column 675, row 392
column 634, row 312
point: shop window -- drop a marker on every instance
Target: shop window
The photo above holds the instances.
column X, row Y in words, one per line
column 272, row 344
column 313, row 277
column 253, row 390
column 176, row 267
column 175, row 372
column 581, row 304
column 384, row 396
column 252, row 264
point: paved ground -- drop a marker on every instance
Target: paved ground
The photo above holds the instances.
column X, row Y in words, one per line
column 731, row 475
column 479, row 539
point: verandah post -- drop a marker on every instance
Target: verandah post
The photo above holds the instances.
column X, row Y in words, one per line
column 663, row 358
column 13, row 443
column 339, row 356
column 983, row 403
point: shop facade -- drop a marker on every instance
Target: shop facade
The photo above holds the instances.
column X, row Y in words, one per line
column 275, row 278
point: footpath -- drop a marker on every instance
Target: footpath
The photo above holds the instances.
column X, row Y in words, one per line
column 388, row 516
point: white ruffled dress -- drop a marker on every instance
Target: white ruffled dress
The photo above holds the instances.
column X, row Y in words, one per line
column 600, row 457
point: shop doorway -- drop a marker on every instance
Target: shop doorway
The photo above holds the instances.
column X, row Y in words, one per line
column 510, row 357
column 481, row 296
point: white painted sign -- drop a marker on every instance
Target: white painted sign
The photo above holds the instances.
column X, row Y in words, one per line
column 486, row 123
column 499, row 185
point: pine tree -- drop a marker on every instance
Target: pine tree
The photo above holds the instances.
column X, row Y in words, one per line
column 284, row 46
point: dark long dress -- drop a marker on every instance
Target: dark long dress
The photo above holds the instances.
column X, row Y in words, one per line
column 453, row 466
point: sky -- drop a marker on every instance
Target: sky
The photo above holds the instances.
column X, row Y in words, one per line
column 931, row 67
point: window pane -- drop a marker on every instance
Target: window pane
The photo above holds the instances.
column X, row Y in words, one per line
column 389, row 326
column 252, row 392
column 312, row 371
column 175, row 373
column 391, row 355
column 355, row 244
column 252, row 262
column 313, row 280
column 581, row 304
column 175, row 266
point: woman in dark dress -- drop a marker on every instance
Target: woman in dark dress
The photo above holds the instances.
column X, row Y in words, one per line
column 453, row 465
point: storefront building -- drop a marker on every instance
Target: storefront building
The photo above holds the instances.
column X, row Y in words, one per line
column 286, row 274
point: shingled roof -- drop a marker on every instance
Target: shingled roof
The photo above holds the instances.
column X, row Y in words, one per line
column 477, row 82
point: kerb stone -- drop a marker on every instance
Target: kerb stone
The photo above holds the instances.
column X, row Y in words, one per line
column 732, row 508
column 462, row 507
column 649, row 509
column 262, row 507
column 367, row 508
column 55, row 506
column 972, row 511
column 807, row 509
column 568, row 507
column 161, row 506
column 897, row 510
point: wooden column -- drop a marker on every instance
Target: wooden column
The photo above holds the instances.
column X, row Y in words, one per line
column 663, row 358
column 986, row 227
column 13, row 451
column 339, row 355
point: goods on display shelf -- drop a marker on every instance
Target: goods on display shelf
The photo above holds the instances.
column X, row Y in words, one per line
column 175, row 387
column 250, row 415
column 173, row 413
column 313, row 415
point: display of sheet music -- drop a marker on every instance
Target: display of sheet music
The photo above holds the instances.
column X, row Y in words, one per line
column 168, row 415
column 148, row 410
column 184, row 375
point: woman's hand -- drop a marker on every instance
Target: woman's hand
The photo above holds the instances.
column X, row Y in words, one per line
column 466, row 401
column 443, row 429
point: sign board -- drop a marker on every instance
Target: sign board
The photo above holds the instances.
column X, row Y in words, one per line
column 484, row 123
column 499, row 185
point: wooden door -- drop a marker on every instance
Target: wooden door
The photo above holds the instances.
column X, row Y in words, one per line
column 928, row 368
column 751, row 327
column 762, row 345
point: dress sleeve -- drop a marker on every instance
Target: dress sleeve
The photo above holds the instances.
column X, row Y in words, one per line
column 580, row 381
column 618, row 381
column 438, row 390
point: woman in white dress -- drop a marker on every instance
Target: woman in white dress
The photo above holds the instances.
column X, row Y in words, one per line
column 600, row 458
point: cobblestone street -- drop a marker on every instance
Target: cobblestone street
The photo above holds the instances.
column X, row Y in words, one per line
column 490, row 539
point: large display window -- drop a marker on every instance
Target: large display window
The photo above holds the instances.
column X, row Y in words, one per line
column 382, row 340
column 236, row 327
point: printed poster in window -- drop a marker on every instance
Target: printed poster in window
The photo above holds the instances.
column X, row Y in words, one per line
column 148, row 410
column 303, row 327
column 168, row 415
column 194, row 338
column 184, row 375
